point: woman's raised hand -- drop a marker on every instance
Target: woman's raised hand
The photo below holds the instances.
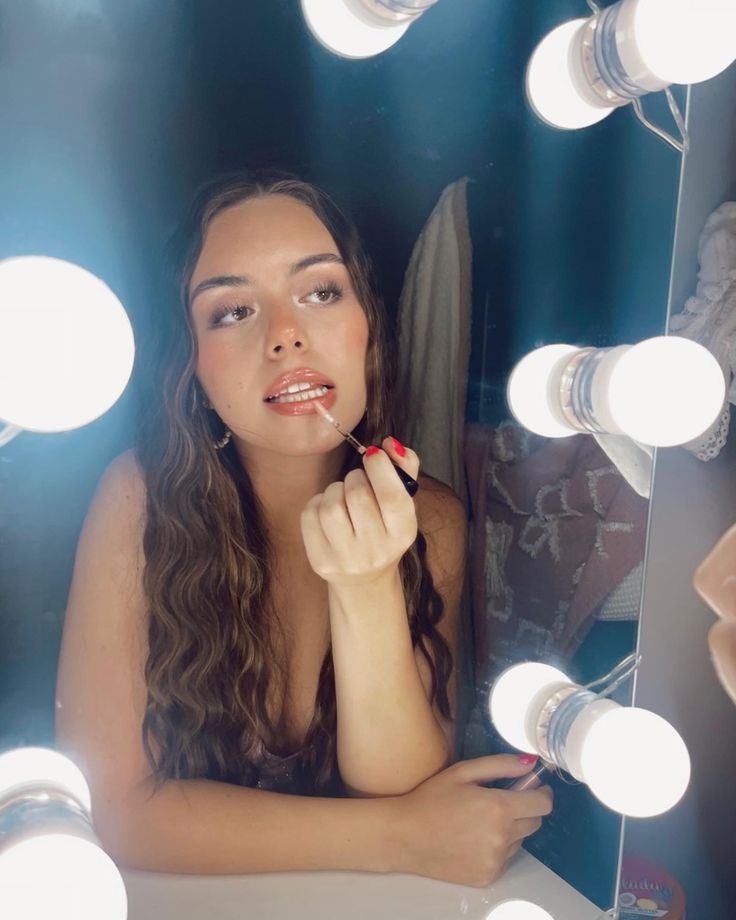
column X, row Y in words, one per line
column 453, row 829
column 356, row 531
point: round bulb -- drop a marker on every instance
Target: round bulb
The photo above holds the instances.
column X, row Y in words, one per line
column 518, row 910
column 513, row 696
column 60, row 877
column 66, row 345
column 635, row 762
column 685, row 41
column 664, row 391
column 32, row 766
column 554, row 83
column 349, row 30
column 533, row 391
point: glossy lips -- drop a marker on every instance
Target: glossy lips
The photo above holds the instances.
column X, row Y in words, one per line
column 306, row 406
column 299, row 375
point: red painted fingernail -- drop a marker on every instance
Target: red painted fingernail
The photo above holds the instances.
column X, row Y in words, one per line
column 372, row 450
column 527, row 758
column 398, row 447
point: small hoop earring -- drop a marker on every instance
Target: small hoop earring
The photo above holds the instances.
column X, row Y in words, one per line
column 224, row 440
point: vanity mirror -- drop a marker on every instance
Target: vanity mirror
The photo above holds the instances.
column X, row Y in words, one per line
column 492, row 234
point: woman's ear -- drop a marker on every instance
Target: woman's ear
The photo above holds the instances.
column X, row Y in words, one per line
column 201, row 395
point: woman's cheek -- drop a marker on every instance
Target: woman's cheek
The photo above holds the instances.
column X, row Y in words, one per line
column 356, row 335
column 214, row 371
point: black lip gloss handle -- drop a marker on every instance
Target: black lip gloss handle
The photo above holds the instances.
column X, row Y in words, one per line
column 411, row 485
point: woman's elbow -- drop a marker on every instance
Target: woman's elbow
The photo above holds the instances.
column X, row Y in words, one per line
column 122, row 826
column 395, row 782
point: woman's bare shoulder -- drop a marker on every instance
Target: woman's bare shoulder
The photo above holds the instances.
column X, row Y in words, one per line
column 126, row 468
column 442, row 518
column 124, row 477
column 434, row 499
column 120, row 497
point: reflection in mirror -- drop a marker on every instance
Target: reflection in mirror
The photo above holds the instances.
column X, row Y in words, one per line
column 688, row 851
column 492, row 236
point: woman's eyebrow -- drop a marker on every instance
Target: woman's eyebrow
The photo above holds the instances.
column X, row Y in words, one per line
column 314, row 260
column 241, row 280
column 218, row 281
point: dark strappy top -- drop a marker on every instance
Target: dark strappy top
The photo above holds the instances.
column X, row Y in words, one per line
column 279, row 774
column 292, row 774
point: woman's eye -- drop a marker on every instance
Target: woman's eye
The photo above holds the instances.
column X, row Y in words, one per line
column 229, row 316
column 326, row 293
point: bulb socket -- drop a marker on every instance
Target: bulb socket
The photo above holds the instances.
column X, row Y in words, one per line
column 41, row 809
column 576, row 390
column 559, row 714
column 397, row 10
column 612, row 71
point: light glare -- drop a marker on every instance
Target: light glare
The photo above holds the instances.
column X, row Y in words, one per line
column 533, row 388
column 66, row 345
column 635, row 762
column 61, row 877
column 33, row 766
column 685, row 41
column 519, row 910
column 512, row 695
column 665, row 391
column 551, row 83
column 346, row 29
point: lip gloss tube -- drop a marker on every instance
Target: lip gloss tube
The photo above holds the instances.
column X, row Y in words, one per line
column 531, row 780
column 410, row 484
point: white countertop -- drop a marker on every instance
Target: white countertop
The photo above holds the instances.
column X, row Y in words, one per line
column 346, row 896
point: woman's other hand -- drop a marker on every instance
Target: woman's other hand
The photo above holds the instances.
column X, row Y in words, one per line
column 453, row 829
column 715, row 582
column 356, row 531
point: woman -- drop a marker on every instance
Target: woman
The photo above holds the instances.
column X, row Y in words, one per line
column 715, row 582
column 257, row 663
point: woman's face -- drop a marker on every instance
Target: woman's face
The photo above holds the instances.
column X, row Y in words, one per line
column 257, row 313
column 715, row 581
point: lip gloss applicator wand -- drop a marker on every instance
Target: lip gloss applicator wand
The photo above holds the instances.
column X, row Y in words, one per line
column 411, row 485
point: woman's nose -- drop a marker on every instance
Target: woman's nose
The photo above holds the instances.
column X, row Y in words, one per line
column 285, row 329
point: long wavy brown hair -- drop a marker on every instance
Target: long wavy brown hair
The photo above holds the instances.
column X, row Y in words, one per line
column 211, row 659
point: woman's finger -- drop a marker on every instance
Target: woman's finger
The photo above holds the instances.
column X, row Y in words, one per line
column 361, row 502
column 394, row 502
column 525, row 827
column 403, row 456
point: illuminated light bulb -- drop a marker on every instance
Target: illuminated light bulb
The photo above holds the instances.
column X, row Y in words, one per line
column 518, row 910
column 676, row 41
column 518, row 693
column 532, row 398
column 555, row 86
column 663, row 391
column 66, row 345
column 24, row 768
column 660, row 392
column 632, row 760
column 585, row 68
column 51, row 865
column 350, row 29
column 60, row 876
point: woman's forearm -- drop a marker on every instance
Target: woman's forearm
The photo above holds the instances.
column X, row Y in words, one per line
column 206, row 827
column 388, row 739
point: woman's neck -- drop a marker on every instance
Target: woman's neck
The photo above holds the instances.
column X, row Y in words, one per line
column 284, row 484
